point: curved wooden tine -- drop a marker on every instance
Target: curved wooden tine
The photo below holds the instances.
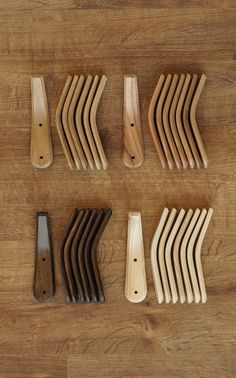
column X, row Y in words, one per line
column 67, row 256
column 153, row 256
column 161, row 254
column 60, row 130
column 63, row 269
column 93, row 121
column 176, row 255
column 132, row 138
column 71, row 121
column 81, row 262
column 99, row 233
column 66, row 123
column 173, row 126
column 183, row 257
column 79, row 121
column 74, row 256
column 180, row 123
column 87, row 256
column 152, row 121
column 193, row 120
column 190, row 256
column 87, row 126
column 166, row 123
column 168, row 255
column 186, row 121
column 198, row 255
column 159, row 122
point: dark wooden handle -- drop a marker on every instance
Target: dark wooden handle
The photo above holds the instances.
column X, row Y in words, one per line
column 44, row 279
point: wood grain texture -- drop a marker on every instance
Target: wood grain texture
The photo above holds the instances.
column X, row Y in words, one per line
column 58, row 38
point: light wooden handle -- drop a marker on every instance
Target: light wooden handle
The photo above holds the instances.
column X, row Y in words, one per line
column 133, row 150
column 41, row 155
column 135, row 283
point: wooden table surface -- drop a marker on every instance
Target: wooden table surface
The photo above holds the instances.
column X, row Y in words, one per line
column 118, row 339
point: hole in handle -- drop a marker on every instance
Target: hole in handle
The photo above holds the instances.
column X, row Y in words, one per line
column 41, row 157
column 40, row 124
column 132, row 124
column 132, row 157
column 135, row 260
column 135, row 292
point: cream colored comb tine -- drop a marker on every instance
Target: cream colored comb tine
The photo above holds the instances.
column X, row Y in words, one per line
column 66, row 123
column 173, row 122
column 60, row 130
column 186, row 121
column 152, row 121
column 86, row 120
column 198, row 255
column 179, row 121
column 166, row 123
column 153, row 256
column 190, row 256
column 193, row 121
column 79, row 121
column 161, row 255
column 183, row 257
column 176, row 255
column 168, row 255
column 93, row 121
column 71, row 121
column 159, row 122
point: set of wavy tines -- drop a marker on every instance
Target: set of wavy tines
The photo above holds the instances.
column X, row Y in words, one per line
column 78, row 255
column 176, row 255
column 76, row 122
column 172, row 121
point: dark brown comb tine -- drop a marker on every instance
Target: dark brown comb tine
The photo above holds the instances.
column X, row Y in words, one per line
column 102, row 227
column 74, row 256
column 87, row 290
column 87, row 256
column 63, row 269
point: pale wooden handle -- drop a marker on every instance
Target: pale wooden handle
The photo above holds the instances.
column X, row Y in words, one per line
column 135, row 283
column 133, row 150
column 41, row 155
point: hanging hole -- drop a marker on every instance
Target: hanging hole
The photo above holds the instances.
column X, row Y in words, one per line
column 135, row 260
column 132, row 157
column 40, row 124
column 135, row 292
column 132, row 124
column 43, row 259
column 44, row 292
column 41, row 157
